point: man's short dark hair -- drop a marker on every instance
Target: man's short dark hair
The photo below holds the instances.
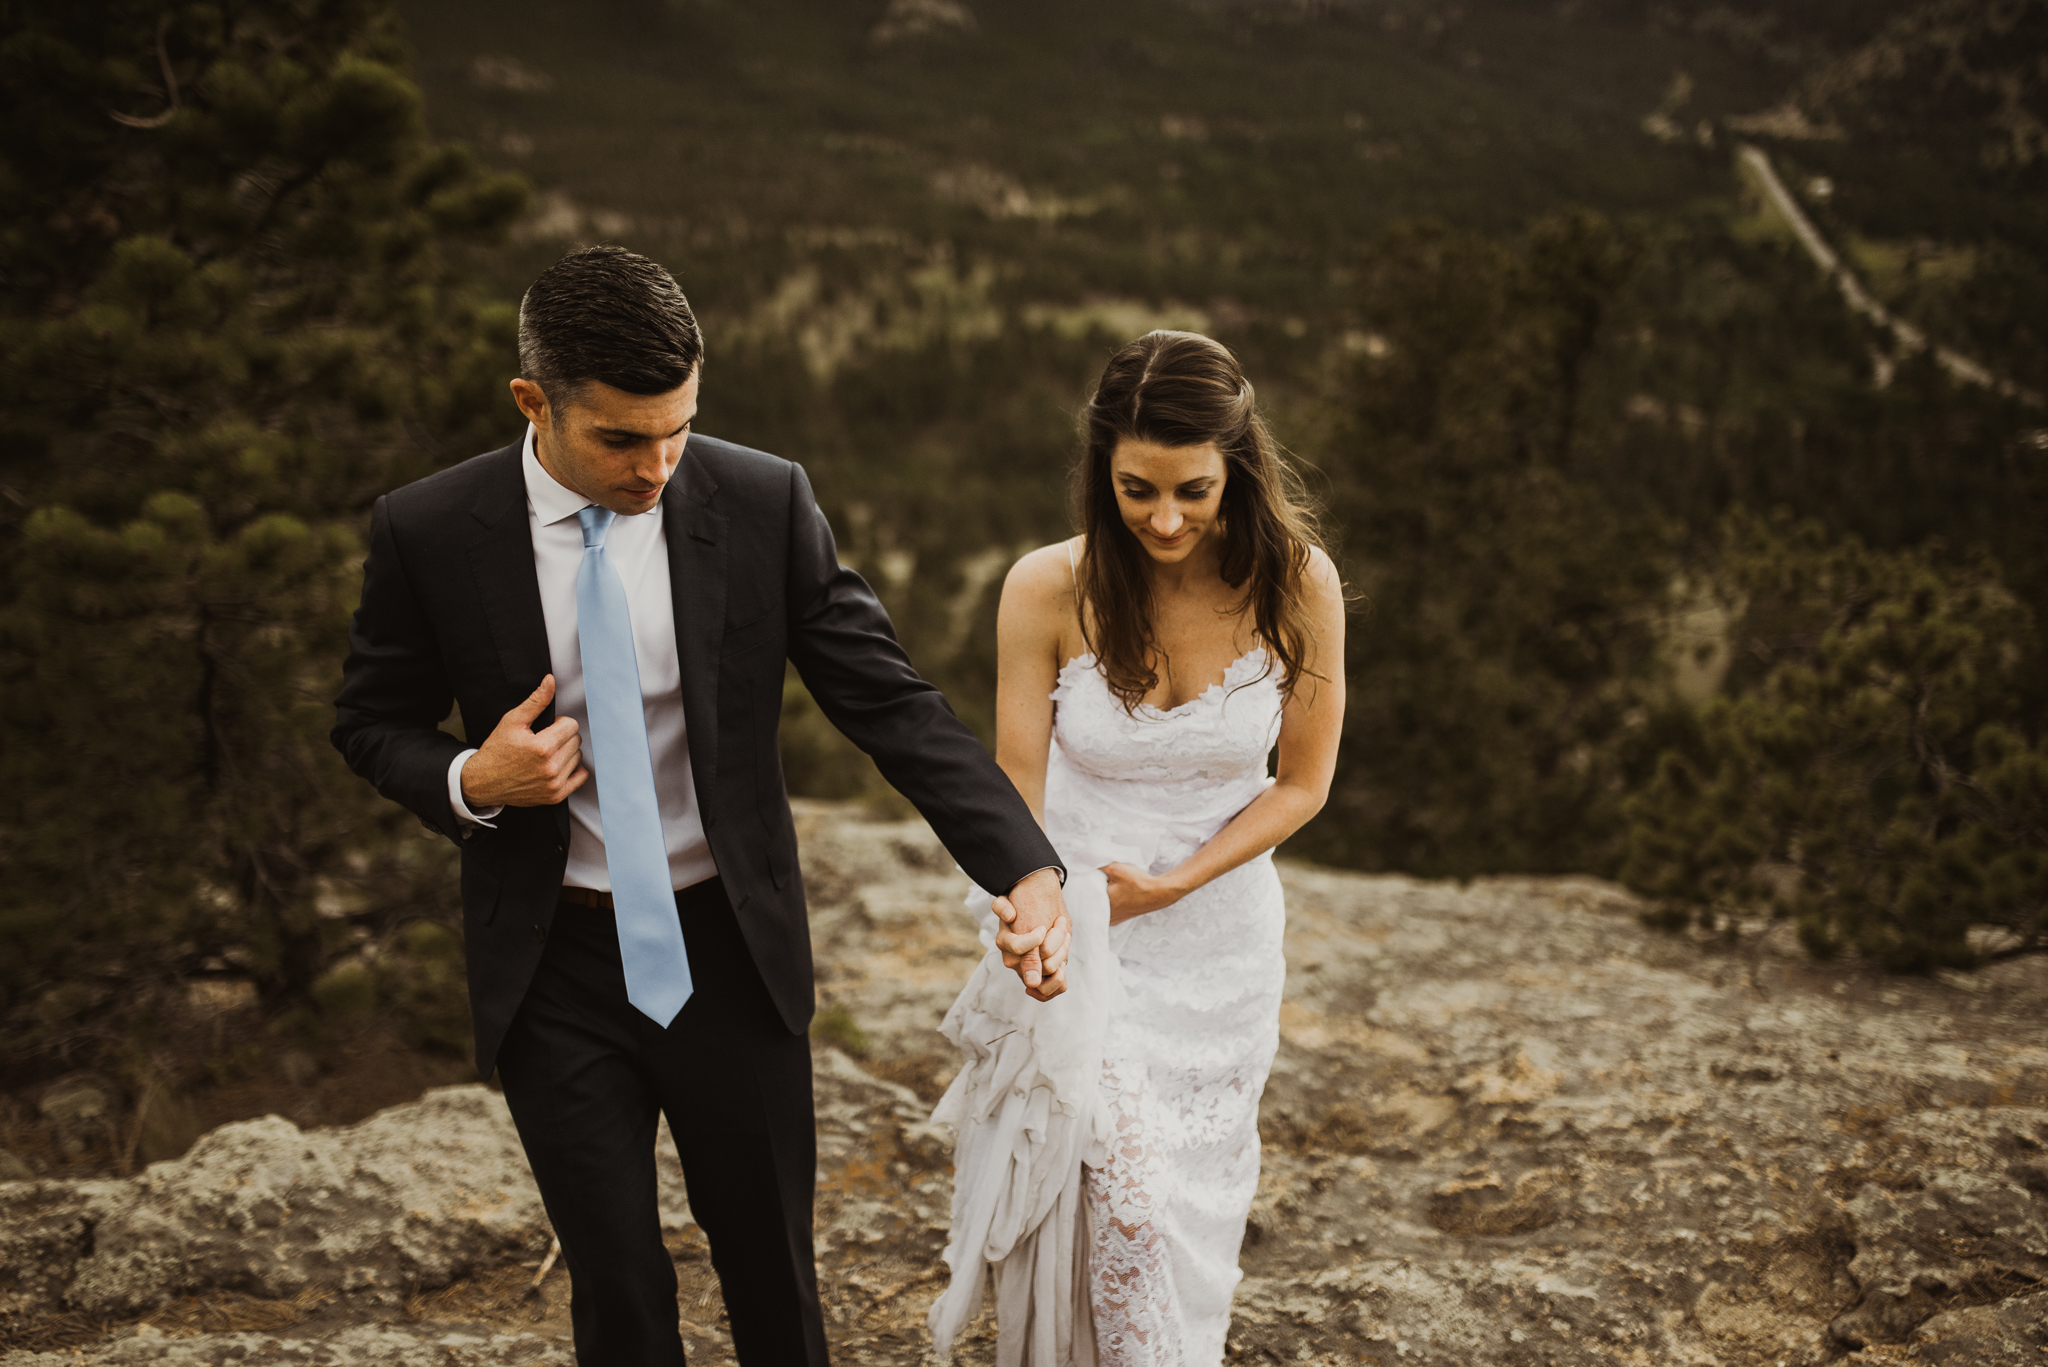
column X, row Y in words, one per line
column 610, row 315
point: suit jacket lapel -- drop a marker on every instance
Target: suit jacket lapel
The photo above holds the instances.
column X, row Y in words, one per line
column 698, row 550
column 508, row 591
column 507, row 586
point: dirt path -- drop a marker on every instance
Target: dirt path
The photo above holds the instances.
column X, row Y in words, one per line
column 1909, row 339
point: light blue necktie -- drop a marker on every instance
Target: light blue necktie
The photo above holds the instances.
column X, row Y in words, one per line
column 643, row 903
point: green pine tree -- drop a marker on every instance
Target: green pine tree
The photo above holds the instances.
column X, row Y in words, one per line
column 1884, row 782
column 231, row 317
column 1508, row 652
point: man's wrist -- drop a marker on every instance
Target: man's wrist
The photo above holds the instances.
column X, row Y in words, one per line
column 465, row 807
column 1059, row 877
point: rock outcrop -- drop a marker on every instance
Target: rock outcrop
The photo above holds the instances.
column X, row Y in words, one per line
column 1513, row 1126
column 1508, row 1127
column 2009, row 1333
column 358, row 1345
column 418, row 1195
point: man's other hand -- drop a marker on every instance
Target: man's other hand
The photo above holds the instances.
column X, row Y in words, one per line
column 1036, row 934
column 517, row 766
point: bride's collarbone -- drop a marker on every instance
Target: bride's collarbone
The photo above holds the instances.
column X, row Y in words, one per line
column 1191, row 673
column 1199, row 637
column 1189, row 666
column 1198, row 640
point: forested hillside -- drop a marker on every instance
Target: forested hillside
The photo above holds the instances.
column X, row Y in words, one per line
column 1602, row 449
column 1492, row 265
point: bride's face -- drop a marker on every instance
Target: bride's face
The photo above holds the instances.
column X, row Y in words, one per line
column 1169, row 495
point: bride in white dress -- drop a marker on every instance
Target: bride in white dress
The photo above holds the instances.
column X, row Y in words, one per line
column 1108, row 1146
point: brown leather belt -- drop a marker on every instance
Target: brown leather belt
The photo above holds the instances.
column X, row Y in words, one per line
column 602, row 901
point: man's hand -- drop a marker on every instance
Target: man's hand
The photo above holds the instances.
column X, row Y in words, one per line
column 1036, row 934
column 517, row 766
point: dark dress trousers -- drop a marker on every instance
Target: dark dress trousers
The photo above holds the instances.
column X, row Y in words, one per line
column 451, row 615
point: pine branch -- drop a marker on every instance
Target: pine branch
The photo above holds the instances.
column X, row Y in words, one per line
column 163, row 60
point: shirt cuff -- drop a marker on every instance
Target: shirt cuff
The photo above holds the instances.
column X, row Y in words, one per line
column 462, row 811
column 1057, row 872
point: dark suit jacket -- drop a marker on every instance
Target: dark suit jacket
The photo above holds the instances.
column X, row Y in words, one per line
column 451, row 614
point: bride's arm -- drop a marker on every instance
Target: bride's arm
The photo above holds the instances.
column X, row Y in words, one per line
column 1029, row 629
column 1036, row 605
column 1309, row 729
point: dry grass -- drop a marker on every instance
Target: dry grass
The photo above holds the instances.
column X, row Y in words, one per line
column 226, row 1312
column 49, row 1333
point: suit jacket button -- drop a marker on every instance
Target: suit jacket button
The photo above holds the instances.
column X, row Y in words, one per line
column 540, row 932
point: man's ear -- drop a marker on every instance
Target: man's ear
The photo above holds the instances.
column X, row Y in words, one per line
column 533, row 402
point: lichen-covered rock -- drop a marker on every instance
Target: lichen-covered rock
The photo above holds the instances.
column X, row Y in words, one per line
column 1609, row 1145
column 1508, row 1127
column 2008, row 1333
column 363, row 1345
column 1955, row 1233
column 414, row 1196
column 46, row 1230
column 418, row 1193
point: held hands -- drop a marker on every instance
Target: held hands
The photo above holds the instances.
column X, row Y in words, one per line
column 1036, row 934
column 517, row 766
column 1133, row 892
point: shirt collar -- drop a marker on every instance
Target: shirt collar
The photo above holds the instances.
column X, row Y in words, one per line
column 550, row 499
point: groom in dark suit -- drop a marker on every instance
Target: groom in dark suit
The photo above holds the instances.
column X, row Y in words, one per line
column 611, row 601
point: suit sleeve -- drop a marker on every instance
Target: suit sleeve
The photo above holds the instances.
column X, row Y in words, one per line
column 844, row 647
column 394, row 690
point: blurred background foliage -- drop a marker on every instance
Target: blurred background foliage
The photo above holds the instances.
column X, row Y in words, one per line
column 1879, row 781
column 231, row 319
column 1537, row 338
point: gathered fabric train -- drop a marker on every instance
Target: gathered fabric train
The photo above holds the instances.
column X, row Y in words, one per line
column 1108, row 1143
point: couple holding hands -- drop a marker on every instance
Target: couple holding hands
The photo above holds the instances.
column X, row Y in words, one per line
column 612, row 601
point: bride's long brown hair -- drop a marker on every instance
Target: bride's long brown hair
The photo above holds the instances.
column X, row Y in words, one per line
column 1184, row 389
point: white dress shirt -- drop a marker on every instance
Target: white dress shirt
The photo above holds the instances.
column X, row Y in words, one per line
column 638, row 549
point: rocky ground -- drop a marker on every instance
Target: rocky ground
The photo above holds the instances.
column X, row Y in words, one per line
column 1508, row 1125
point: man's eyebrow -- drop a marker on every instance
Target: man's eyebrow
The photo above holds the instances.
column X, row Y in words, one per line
column 641, row 436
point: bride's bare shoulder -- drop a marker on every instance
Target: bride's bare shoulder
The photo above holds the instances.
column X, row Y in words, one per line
column 1038, row 615
column 1044, row 578
column 1325, row 584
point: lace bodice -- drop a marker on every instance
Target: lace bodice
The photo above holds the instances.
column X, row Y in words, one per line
column 1162, row 780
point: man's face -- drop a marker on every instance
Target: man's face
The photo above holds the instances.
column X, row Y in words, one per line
column 614, row 448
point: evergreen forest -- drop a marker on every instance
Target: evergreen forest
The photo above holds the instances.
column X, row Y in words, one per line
column 1674, row 562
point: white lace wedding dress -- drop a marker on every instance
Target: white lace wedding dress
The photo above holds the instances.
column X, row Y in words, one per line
column 1109, row 1146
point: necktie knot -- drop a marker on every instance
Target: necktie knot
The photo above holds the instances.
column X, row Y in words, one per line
column 597, row 522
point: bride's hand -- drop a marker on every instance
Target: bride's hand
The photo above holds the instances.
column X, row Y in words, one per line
column 1133, row 892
